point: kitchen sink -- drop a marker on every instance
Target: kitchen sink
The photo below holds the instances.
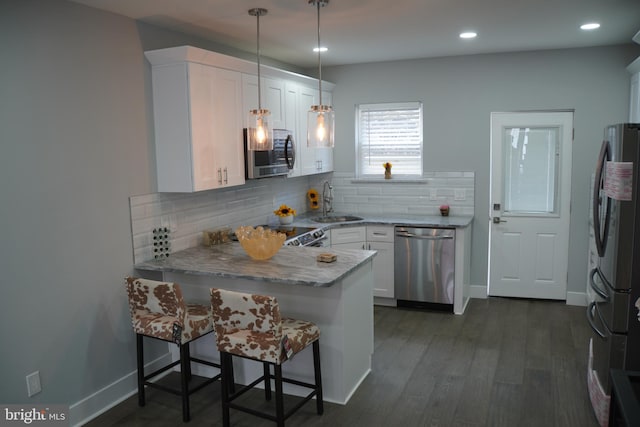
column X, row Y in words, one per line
column 336, row 218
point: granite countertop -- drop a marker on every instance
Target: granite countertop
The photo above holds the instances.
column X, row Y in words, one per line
column 291, row 265
column 455, row 221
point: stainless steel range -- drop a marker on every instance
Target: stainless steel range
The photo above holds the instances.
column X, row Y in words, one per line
column 301, row 236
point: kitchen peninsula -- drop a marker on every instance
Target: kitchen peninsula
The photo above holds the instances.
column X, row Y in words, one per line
column 337, row 296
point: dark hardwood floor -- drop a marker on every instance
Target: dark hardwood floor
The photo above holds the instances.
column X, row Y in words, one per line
column 505, row 362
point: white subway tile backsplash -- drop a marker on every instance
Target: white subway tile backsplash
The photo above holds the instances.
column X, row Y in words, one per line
column 366, row 190
column 188, row 214
column 378, row 197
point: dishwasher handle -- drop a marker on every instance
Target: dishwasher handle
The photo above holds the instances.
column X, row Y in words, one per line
column 416, row 236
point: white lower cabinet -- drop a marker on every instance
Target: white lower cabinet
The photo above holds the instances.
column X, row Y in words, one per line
column 380, row 238
column 377, row 238
column 352, row 245
column 349, row 235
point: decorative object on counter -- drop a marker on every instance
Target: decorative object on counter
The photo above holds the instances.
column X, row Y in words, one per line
column 260, row 133
column 313, row 197
column 258, row 243
column 216, row 236
column 326, row 257
column 286, row 220
column 387, row 170
column 285, row 214
column 161, row 242
column 444, row 210
column 320, row 118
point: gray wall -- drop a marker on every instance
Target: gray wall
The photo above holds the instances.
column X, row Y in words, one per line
column 459, row 93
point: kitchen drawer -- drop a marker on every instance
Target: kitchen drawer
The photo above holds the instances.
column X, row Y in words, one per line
column 380, row 233
column 348, row 235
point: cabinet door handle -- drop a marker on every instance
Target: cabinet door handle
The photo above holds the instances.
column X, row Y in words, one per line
column 219, row 176
column 226, row 177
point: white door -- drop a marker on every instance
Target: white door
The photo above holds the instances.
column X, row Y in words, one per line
column 530, row 193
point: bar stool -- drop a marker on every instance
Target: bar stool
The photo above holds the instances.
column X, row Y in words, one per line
column 158, row 311
column 250, row 326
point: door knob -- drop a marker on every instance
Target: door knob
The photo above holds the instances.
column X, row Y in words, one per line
column 497, row 220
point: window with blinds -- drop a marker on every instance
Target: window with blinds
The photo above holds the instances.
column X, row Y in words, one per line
column 389, row 132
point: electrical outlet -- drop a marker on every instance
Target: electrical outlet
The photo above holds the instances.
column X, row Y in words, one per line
column 33, row 383
column 434, row 194
column 459, row 194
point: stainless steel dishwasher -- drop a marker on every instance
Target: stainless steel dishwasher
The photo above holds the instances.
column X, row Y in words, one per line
column 424, row 267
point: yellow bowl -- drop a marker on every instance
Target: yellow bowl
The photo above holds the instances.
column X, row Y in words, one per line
column 258, row 243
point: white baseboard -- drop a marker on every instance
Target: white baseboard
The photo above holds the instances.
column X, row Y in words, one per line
column 577, row 298
column 389, row 302
column 106, row 398
column 573, row 298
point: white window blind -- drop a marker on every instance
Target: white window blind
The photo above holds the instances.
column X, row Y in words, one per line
column 389, row 132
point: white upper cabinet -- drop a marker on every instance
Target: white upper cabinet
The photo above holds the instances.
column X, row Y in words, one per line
column 309, row 160
column 273, row 98
column 325, row 155
column 227, row 139
column 201, row 103
column 308, row 155
column 198, row 127
column 291, row 122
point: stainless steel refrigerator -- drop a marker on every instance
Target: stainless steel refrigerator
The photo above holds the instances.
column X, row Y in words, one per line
column 614, row 280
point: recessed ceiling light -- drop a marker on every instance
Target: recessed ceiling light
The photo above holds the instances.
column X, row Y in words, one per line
column 322, row 49
column 590, row 26
column 468, row 35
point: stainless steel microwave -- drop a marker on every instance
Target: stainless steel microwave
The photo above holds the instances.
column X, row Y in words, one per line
column 279, row 161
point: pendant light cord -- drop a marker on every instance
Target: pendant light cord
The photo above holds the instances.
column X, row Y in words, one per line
column 258, row 53
column 319, row 56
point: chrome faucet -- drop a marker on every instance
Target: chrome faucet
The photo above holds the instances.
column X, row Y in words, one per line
column 327, row 198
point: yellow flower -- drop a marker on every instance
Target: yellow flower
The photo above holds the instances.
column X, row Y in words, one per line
column 312, row 194
column 387, row 165
column 284, row 210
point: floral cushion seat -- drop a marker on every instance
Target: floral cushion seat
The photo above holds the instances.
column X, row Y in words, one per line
column 158, row 310
column 251, row 326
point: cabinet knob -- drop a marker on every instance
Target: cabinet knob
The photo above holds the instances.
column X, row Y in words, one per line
column 219, row 176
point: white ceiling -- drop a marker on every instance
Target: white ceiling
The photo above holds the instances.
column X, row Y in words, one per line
column 359, row 31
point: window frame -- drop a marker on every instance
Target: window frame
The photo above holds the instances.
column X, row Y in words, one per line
column 359, row 146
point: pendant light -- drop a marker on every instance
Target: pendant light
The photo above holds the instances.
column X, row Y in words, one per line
column 320, row 119
column 259, row 132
